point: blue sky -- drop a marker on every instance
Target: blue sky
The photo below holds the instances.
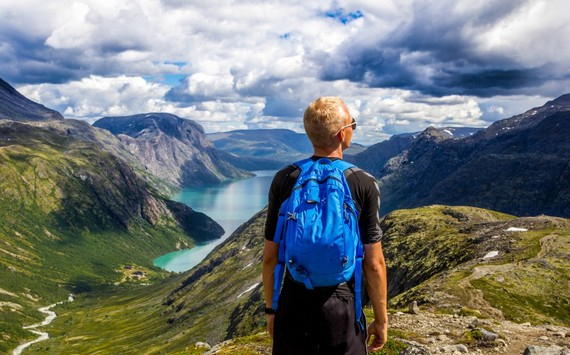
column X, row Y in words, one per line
column 401, row 66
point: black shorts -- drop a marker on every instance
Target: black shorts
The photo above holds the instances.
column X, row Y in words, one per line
column 317, row 322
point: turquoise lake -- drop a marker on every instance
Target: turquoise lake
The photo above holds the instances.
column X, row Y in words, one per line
column 230, row 204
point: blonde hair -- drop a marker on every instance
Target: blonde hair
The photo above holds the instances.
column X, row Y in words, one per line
column 322, row 120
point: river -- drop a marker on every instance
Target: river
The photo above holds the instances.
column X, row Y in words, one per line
column 230, row 204
column 50, row 316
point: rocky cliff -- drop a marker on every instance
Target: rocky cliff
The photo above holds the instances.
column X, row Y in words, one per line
column 376, row 156
column 172, row 148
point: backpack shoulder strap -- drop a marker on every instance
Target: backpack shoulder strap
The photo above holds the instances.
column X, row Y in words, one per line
column 342, row 165
column 304, row 164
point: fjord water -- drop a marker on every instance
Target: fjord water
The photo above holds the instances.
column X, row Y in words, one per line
column 230, row 204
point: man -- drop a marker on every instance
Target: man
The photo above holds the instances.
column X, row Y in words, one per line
column 323, row 320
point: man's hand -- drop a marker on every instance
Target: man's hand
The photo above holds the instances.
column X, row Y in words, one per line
column 270, row 321
column 378, row 333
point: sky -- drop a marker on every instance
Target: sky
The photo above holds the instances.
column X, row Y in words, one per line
column 400, row 66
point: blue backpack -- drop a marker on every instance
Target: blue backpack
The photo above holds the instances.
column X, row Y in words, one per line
column 317, row 230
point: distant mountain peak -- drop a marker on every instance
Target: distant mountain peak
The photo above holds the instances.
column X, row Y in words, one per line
column 563, row 100
column 145, row 124
column 172, row 148
column 15, row 106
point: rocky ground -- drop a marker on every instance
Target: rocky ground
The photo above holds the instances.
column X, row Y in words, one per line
column 452, row 334
column 430, row 333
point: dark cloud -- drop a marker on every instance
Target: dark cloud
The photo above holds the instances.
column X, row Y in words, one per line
column 179, row 94
column 487, row 83
column 27, row 60
column 436, row 54
column 279, row 107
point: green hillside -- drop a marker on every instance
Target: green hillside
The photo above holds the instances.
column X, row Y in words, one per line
column 440, row 249
column 73, row 219
column 475, row 261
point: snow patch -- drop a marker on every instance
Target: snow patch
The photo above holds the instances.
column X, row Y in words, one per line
column 515, row 229
column 248, row 265
column 448, row 132
column 491, row 254
column 249, row 289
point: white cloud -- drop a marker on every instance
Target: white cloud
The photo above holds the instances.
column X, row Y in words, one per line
column 536, row 34
column 96, row 96
column 400, row 65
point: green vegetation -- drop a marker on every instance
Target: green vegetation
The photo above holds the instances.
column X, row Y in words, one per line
column 420, row 244
column 526, row 282
column 536, row 290
column 75, row 219
column 72, row 218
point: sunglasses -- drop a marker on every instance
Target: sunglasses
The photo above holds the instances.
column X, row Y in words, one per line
column 353, row 124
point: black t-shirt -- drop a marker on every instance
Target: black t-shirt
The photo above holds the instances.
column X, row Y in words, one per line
column 363, row 188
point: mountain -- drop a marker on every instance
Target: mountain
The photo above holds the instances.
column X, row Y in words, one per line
column 75, row 218
column 267, row 149
column 172, row 148
column 374, row 157
column 263, row 149
column 475, row 264
column 15, row 106
column 519, row 165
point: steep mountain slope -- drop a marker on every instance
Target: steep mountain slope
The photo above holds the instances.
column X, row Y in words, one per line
column 437, row 256
column 15, row 106
column 172, row 148
column 519, row 165
column 376, row 156
column 71, row 217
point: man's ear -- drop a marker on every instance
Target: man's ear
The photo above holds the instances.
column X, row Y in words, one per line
column 340, row 135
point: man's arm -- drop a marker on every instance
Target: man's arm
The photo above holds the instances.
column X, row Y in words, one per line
column 270, row 257
column 374, row 267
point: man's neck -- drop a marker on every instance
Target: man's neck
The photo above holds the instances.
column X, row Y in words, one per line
column 328, row 152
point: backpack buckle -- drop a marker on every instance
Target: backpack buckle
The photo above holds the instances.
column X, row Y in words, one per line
column 292, row 215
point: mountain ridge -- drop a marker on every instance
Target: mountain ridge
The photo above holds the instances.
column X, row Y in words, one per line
column 17, row 107
column 172, row 148
column 77, row 217
column 518, row 166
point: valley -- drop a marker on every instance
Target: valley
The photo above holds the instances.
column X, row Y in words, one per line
column 476, row 232
column 458, row 294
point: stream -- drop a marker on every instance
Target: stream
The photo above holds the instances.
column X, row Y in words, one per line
column 42, row 335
